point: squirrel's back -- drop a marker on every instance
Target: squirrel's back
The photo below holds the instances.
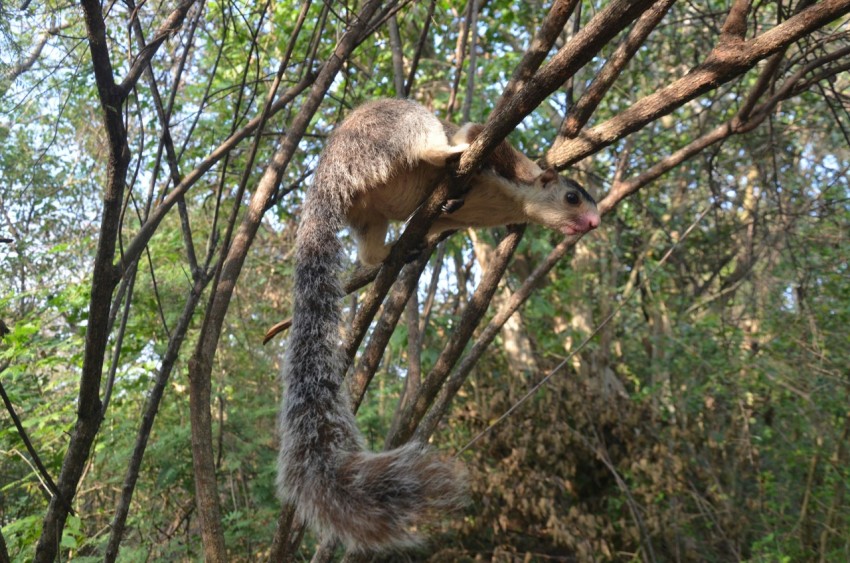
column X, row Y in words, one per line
column 375, row 141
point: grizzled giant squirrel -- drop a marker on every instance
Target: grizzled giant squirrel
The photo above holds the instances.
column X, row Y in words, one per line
column 379, row 165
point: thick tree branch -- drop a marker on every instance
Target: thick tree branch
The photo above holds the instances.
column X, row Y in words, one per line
column 735, row 27
column 473, row 313
column 579, row 114
column 551, row 27
column 383, row 329
column 723, row 64
column 574, row 55
column 89, row 408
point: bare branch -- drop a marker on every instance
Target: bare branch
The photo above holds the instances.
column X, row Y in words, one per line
column 471, row 70
column 89, row 409
column 472, row 315
column 420, row 47
column 620, row 190
column 175, row 342
column 360, row 278
column 460, row 54
column 735, row 27
column 383, row 329
column 15, row 71
column 166, row 141
column 398, row 57
column 551, row 27
column 171, row 24
column 749, row 117
column 19, row 427
column 723, row 64
column 794, row 84
column 579, row 114
column 574, row 55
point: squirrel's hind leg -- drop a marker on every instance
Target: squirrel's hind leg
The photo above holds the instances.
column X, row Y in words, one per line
column 440, row 155
column 371, row 238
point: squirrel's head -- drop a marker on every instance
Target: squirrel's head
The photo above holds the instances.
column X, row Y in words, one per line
column 560, row 204
column 547, row 198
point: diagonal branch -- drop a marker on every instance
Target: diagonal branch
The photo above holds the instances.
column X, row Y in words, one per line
column 748, row 117
column 15, row 71
column 410, row 417
column 725, row 62
column 551, row 27
column 590, row 99
column 382, row 331
column 447, row 391
column 172, row 23
column 572, row 56
column 42, row 470
column 151, row 408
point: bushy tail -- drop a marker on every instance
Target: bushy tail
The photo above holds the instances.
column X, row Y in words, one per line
column 370, row 501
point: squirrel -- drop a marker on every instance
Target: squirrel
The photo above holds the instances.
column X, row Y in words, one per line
column 510, row 189
column 378, row 165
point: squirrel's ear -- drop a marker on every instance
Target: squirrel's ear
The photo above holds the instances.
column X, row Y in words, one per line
column 548, row 176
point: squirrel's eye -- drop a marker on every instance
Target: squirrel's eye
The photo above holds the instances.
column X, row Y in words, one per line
column 572, row 198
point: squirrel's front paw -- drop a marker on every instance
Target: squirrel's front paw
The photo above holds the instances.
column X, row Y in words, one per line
column 452, row 205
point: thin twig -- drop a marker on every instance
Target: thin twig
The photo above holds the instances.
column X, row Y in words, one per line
column 420, row 48
column 42, row 470
column 384, row 327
